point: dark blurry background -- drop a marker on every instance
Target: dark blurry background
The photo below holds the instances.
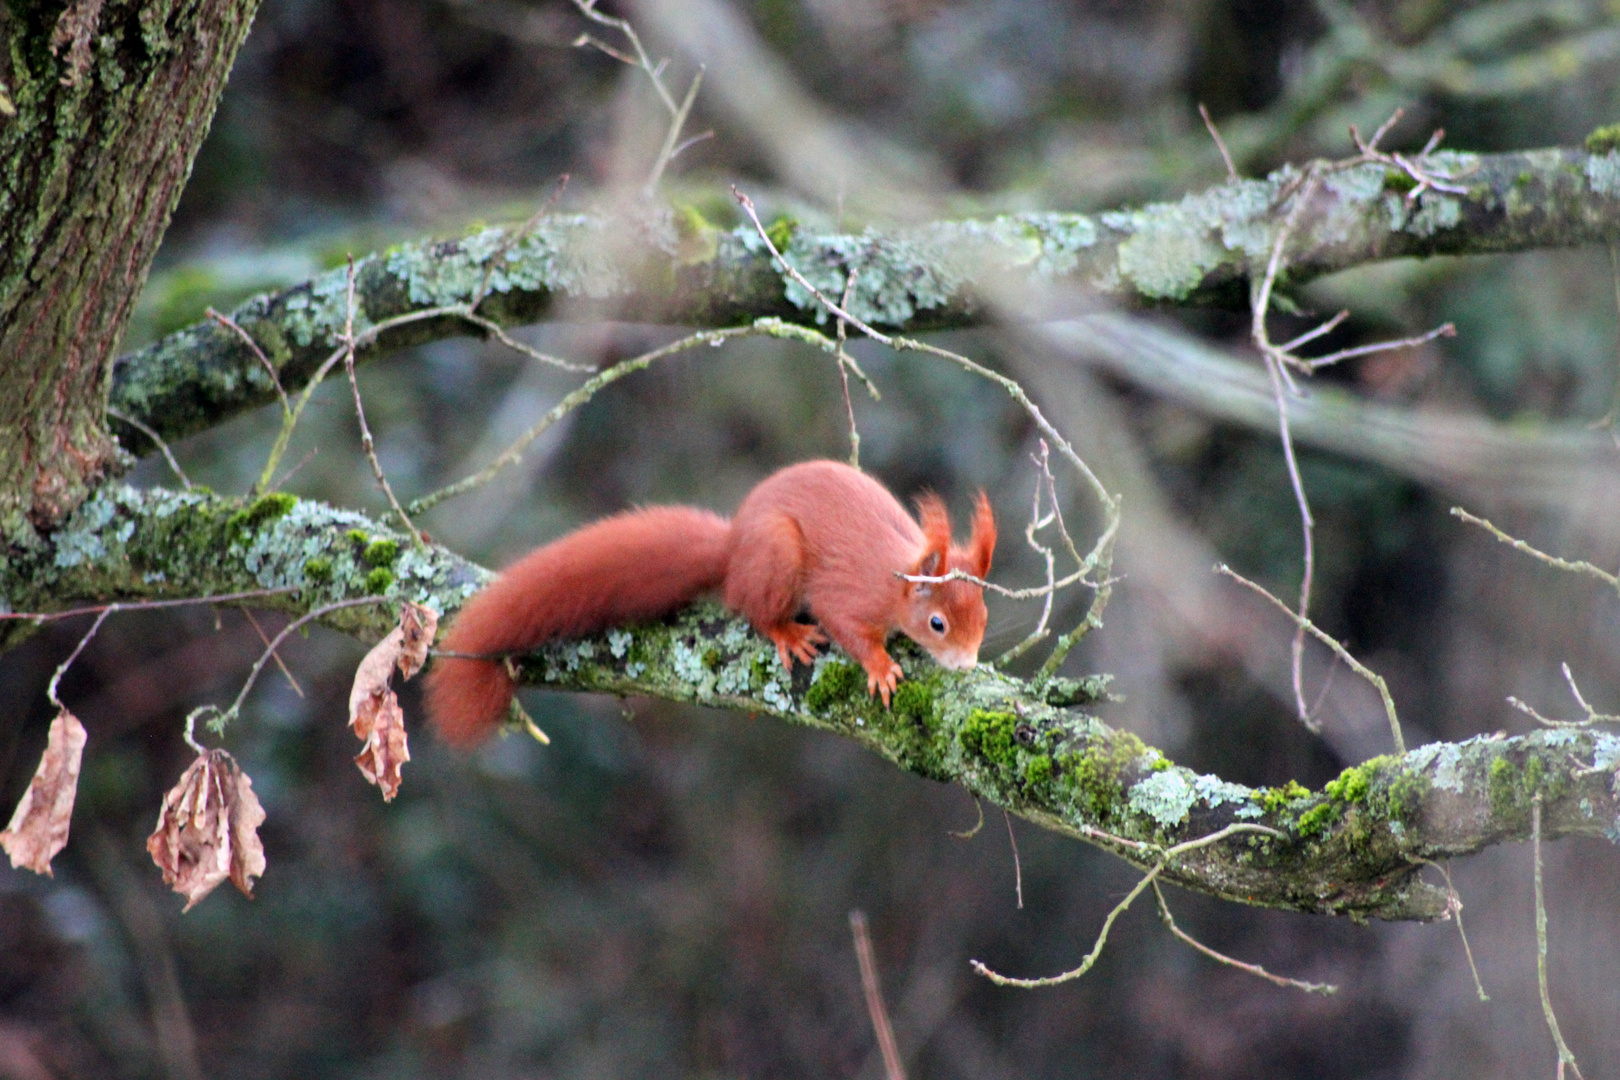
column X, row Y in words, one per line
column 664, row 891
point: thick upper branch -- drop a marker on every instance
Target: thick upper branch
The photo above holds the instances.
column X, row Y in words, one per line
column 1354, row 849
column 935, row 276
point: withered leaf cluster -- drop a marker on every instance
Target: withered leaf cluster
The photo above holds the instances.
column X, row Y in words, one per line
column 374, row 711
column 39, row 828
column 208, row 829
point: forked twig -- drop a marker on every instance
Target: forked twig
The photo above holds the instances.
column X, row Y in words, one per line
column 1592, row 715
column 678, row 113
column 1166, row 856
column 1281, row 359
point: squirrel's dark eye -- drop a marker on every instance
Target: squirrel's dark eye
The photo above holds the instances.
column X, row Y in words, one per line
column 936, row 624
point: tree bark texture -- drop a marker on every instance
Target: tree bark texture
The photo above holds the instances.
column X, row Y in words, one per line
column 113, row 98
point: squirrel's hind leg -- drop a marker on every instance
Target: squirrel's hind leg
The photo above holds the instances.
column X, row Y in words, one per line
column 763, row 577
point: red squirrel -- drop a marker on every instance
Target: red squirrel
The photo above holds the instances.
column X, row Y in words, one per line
column 819, row 535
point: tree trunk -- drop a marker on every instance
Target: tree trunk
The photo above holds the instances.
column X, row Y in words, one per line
column 112, row 98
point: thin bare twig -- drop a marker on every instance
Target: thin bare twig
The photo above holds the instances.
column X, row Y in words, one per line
column 1316, row 362
column 1578, row 566
column 1564, row 1055
column 1043, row 482
column 1280, row 359
column 157, row 440
column 511, row 239
column 292, row 472
column 1592, row 715
column 678, row 113
column 670, row 150
column 893, row 1068
column 1276, row 369
column 1220, row 144
column 573, row 400
column 844, row 362
column 145, row 605
column 1169, row 921
column 1018, row 868
column 1610, row 418
column 61, row 669
column 275, row 379
column 1168, row 854
column 1454, row 907
column 218, row 718
column 257, row 629
column 498, row 332
column 366, row 442
column 1331, row 642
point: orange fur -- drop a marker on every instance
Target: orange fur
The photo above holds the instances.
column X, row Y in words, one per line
column 819, row 536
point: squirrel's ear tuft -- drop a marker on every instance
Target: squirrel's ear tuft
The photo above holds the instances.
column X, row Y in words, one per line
column 936, row 526
column 983, row 544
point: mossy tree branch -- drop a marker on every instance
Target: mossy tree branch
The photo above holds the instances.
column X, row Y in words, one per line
column 1354, row 849
column 1197, row 250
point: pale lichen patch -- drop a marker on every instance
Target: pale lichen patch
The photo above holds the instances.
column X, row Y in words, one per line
column 1603, row 173
column 1166, row 796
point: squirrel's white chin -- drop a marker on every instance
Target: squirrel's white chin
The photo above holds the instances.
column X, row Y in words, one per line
column 957, row 661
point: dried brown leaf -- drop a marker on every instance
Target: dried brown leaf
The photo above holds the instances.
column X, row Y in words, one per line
column 208, row 829
column 39, row 828
column 418, row 625
column 374, row 711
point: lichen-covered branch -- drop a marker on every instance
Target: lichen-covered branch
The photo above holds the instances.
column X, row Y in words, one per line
column 1353, row 849
column 675, row 269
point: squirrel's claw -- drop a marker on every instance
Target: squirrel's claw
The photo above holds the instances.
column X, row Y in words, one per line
column 797, row 641
column 883, row 683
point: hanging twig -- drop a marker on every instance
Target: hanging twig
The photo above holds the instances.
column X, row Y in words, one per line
column 1169, row 921
column 1564, row 1055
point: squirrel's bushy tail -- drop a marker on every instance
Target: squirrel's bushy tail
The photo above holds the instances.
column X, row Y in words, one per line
column 640, row 564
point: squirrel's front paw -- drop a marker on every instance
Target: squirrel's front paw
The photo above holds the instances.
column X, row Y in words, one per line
column 882, row 681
